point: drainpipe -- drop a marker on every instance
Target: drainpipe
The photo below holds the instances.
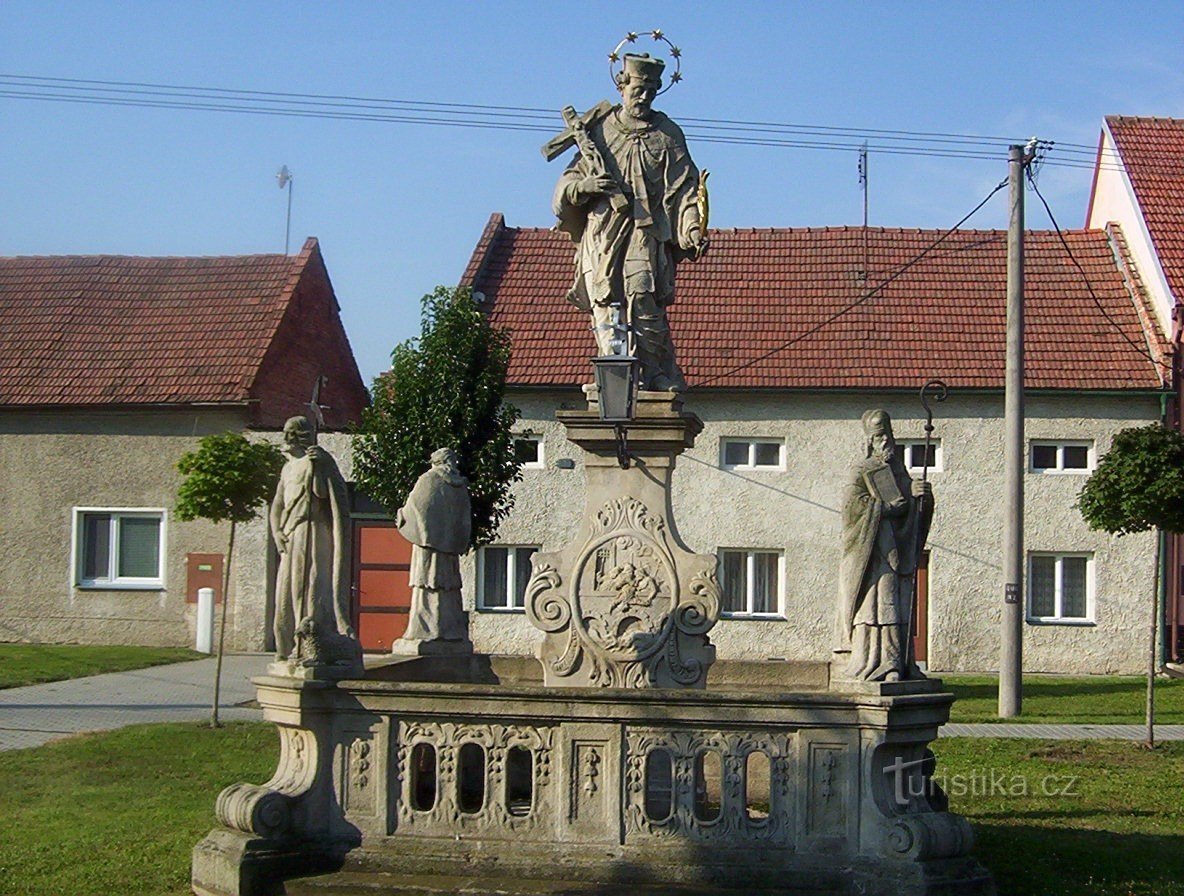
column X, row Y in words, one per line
column 1169, row 591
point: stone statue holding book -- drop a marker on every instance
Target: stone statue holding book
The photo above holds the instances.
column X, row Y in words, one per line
column 885, row 520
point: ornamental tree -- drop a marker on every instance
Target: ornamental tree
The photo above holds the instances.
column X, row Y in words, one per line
column 227, row 478
column 1139, row 486
column 1139, row 483
column 445, row 389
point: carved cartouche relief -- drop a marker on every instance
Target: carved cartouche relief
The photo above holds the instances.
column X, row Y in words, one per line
column 617, row 613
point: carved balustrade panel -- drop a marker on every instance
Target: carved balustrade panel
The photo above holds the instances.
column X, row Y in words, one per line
column 739, row 819
column 474, row 797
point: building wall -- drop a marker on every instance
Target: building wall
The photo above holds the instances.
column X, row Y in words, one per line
column 797, row 511
column 56, row 461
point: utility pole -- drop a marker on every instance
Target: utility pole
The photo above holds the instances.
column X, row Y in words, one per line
column 863, row 181
column 1011, row 652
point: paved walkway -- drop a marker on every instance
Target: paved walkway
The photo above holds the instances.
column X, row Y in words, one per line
column 1064, row 732
column 40, row 713
column 33, row 715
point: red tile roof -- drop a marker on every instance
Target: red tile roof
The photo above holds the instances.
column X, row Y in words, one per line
column 101, row 330
column 765, row 309
column 1152, row 151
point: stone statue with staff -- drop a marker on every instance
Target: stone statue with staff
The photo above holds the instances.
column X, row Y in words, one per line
column 886, row 516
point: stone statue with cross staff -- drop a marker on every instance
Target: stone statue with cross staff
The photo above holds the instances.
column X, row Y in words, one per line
column 886, row 516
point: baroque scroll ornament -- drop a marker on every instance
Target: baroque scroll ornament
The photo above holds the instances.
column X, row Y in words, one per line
column 622, row 617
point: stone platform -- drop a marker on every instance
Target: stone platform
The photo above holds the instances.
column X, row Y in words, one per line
column 439, row 770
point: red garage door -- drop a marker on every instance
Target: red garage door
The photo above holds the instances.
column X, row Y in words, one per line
column 382, row 595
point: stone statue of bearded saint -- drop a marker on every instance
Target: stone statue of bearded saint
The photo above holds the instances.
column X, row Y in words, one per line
column 437, row 519
column 310, row 525
column 632, row 221
column 885, row 520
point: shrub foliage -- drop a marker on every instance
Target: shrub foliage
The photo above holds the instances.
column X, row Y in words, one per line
column 227, row 478
column 1139, row 483
column 445, row 389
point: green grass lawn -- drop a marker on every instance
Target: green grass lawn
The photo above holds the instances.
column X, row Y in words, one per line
column 120, row 812
column 1117, row 831
column 22, row 664
column 1102, row 699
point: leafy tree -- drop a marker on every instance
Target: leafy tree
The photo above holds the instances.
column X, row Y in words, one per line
column 227, row 478
column 1139, row 486
column 444, row 390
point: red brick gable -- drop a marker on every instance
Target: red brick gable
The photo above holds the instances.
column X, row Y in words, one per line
column 757, row 290
column 84, row 331
column 1152, row 152
column 309, row 342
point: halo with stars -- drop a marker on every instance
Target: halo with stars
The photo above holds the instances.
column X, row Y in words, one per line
column 658, row 35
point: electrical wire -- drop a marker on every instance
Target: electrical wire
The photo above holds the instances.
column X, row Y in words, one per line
column 931, row 144
column 866, row 297
column 1142, row 350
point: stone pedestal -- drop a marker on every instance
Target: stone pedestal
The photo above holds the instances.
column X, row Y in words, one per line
column 777, row 784
column 433, row 647
column 626, row 604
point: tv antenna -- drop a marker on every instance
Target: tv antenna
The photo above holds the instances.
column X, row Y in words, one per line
column 284, row 178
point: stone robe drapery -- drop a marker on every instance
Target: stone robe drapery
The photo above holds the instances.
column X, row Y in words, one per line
column 876, row 572
column 627, row 255
column 437, row 520
column 310, row 524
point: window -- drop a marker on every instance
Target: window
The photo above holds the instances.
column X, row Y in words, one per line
column 750, row 582
column 753, row 454
column 913, row 451
column 503, row 574
column 118, row 548
column 528, row 451
column 1060, row 588
column 1061, row 457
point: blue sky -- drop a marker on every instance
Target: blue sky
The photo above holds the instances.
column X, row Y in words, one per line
column 398, row 207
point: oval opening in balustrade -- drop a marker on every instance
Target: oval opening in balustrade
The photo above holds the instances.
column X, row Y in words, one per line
column 519, row 781
column 470, row 779
column 709, row 768
column 423, row 777
column 659, row 785
column 758, row 786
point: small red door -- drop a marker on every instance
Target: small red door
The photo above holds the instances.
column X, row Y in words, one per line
column 382, row 592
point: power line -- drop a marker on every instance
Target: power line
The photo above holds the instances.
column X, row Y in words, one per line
column 534, row 111
column 932, row 144
column 866, row 297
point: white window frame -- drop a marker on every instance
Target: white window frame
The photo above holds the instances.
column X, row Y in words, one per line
column 779, row 611
column 113, row 582
column 512, row 606
column 539, row 464
column 1060, row 445
column 938, row 460
column 1058, row 596
column 751, row 463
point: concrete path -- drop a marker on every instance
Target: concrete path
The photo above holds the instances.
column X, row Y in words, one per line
column 1064, row 732
column 40, row 713
column 34, row 715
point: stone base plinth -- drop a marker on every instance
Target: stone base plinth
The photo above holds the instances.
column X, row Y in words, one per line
column 434, row 647
column 314, row 671
column 776, row 782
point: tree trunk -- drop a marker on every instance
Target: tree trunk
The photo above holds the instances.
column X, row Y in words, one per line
column 214, row 723
column 1151, row 651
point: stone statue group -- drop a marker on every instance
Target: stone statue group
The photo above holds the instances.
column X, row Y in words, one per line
column 635, row 204
column 310, row 526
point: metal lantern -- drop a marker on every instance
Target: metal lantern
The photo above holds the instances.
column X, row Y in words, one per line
column 616, row 380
